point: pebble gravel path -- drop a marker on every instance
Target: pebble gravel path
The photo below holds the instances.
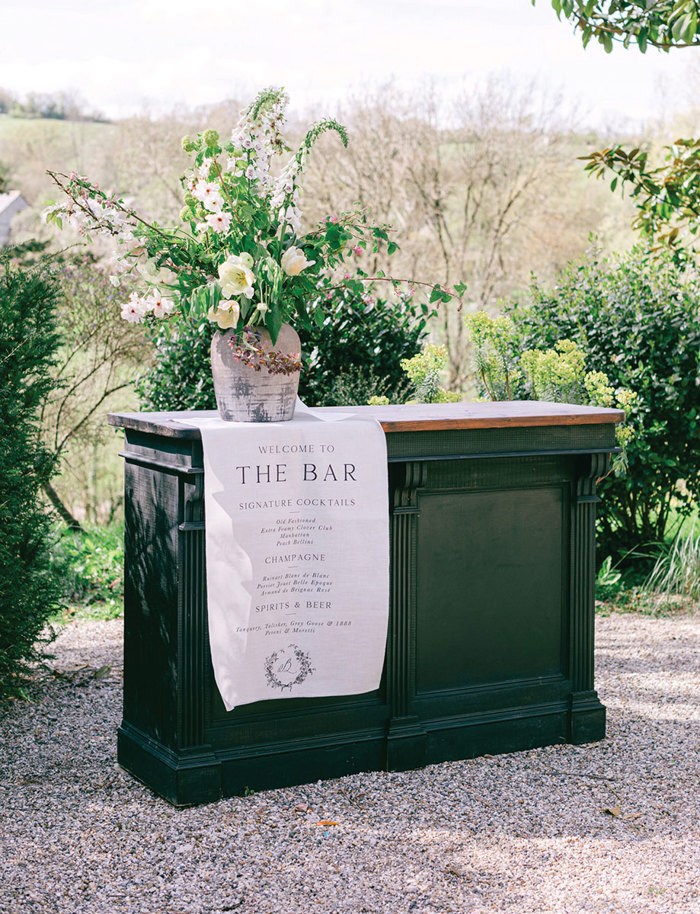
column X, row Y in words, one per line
column 609, row 827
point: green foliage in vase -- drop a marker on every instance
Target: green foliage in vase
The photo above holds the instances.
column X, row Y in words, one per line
column 28, row 346
column 638, row 322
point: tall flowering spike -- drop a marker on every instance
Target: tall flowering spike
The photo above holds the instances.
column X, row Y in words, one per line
column 285, row 194
column 263, row 120
column 321, row 127
column 265, row 101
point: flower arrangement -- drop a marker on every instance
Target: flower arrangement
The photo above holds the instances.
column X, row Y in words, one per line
column 238, row 255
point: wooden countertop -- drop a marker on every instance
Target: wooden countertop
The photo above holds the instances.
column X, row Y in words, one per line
column 410, row 418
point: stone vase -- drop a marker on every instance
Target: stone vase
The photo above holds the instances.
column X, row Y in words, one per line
column 244, row 394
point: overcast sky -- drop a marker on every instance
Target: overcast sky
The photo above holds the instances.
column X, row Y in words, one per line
column 124, row 55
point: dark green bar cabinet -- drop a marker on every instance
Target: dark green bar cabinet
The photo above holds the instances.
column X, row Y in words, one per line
column 490, row 644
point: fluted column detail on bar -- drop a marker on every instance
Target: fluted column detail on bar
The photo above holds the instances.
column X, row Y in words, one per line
column 584, row 699
column 405, row 736
column 193, row 647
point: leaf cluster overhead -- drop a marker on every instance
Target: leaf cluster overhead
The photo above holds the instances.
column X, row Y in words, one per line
column 663, row 24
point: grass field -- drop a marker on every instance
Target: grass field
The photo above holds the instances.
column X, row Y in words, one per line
column 13, row 127
column 28, row 146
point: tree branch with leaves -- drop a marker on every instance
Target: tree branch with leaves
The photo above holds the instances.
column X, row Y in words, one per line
column 662, row 24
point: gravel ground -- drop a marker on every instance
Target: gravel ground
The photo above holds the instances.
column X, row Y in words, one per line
column 609, row 827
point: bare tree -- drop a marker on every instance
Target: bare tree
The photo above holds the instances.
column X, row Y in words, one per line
column 479, row 189
column 98, row 362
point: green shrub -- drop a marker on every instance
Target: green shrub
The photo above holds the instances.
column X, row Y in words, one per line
column 355, row 352
column 180, row 376
column 360, row 332
column 28, row 346
column 90, row 566
column 637, row 321
column 423, row 371
column 358, row 385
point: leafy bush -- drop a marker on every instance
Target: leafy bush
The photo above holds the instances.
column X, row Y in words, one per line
column 353, row 350
column 359, row 331
column 91, row 568
column 636, row 319
column 359, row 385
column 180, row 376
column 423, row 371
column 28, row 347
column 496, row 356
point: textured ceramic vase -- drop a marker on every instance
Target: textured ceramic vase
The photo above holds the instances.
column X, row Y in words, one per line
column 246, row 395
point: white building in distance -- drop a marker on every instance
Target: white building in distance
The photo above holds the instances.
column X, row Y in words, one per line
column 11, row 203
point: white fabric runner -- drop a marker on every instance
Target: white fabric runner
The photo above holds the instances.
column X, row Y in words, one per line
column 297, row 543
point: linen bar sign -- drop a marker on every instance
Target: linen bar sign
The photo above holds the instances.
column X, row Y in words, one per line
column 297, row 543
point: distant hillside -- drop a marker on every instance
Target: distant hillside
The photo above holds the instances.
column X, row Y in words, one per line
column 12, row 126
column 28, row 146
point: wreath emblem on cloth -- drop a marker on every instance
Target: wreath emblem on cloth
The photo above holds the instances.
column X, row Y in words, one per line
column 287, row 667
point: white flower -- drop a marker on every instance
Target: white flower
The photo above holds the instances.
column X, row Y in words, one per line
column 236, row 276
column 246, row 259
column 120, row 264
column 114, row 279
column 135, row 309
column 76, row 219
column 160, row 306
column 219, row 222
column 214, row 203
column 294, row 261
column 225, row 319
column 206, row 191
column 262, row 307
column 293, row 221
column 151, row 272
column 54, row 208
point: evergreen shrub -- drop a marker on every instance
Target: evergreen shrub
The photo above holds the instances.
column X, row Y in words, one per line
column 29, row 591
